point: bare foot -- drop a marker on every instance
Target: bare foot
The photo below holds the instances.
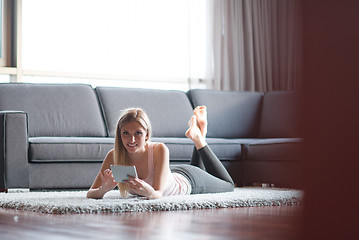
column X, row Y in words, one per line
column 194, row 133
column 201, row 114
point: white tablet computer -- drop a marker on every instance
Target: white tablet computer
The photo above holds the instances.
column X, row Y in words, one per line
column 120, row 172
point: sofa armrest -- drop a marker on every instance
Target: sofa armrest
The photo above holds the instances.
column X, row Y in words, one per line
column 14, row 167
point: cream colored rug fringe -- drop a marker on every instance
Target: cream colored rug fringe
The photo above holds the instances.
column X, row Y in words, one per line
column 64, row 202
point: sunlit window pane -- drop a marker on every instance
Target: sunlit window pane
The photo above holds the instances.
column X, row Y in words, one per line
column 135, row 38
column 4, row 78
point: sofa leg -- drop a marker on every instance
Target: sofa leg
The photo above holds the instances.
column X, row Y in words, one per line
column 5, row 190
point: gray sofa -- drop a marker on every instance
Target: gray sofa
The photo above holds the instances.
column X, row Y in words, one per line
column 55, row 136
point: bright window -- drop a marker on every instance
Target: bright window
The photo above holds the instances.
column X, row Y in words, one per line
column 131, row 39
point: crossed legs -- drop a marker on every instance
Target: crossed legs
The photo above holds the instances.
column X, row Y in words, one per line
column 203, row 157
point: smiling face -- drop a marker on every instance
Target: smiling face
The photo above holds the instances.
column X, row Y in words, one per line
column 134, row 137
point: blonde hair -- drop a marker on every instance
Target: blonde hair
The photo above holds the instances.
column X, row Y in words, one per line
column 120, row 158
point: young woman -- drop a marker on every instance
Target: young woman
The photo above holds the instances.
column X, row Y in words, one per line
column 156, row 178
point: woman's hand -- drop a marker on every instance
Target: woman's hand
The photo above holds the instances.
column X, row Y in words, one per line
column 108, row 182
column 140, row 187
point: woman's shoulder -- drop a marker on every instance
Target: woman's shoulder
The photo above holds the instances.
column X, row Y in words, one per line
column 108, row 160
column 159, row 148
column 111, row 152
column 110, row 157
column 157, row 145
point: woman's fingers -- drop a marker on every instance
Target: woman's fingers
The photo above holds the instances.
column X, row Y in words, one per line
column 107, row 176
column 107, row 172
column 135, row 183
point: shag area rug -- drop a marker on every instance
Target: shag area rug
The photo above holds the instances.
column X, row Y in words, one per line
column 63, row 202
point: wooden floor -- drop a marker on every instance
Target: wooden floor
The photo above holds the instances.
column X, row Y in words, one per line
column 236, row 223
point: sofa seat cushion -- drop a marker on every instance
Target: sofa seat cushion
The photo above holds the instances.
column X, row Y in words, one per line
column 274, row 149
column 68, row 149
column 228, row 149
column 181, row 149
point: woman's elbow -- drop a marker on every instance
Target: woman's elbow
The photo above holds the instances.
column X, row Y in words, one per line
column 91, row 193
column 156, row 195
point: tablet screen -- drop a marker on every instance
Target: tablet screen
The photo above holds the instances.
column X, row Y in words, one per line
column 120, row 172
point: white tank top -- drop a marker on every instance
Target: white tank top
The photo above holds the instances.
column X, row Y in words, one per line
column 176, row 184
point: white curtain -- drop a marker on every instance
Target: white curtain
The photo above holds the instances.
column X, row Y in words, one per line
column 254, row 45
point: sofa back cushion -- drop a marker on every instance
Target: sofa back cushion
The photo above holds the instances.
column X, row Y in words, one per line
column 168, row 111
column 280, row 115
column 230, row 114
column 62, row 110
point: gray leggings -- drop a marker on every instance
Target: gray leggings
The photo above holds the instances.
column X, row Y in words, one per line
column 205, row 173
